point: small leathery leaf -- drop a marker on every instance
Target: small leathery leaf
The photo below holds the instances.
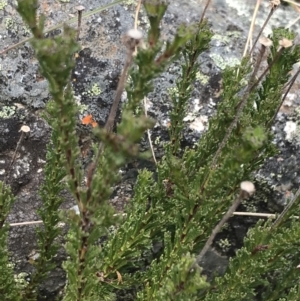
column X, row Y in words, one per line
column 248, row 187
column 89, row 120
column 135, row 34
column 24, row 129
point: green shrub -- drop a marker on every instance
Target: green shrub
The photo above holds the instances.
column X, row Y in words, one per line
column 178, row 207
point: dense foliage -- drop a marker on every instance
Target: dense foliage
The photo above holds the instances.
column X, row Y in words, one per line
column 175, row 209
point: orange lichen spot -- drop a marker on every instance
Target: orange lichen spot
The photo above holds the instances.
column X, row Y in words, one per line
column 89, row 120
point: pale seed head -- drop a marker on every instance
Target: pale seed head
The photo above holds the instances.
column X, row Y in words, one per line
column 285, row 43
column 265, row 41
column 24, row 129
column 80, row 8
column 274, row 3
column 248, row 187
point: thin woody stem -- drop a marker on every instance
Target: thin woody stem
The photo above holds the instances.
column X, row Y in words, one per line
column 204, row 11
column 109, row 125
column 242, row 104
column 290, row 84
column 263, row 27
column 14, row 156
column 252, row 26
column 219, row 226
column 113, row 111
column 80, row 9
column 69, row 22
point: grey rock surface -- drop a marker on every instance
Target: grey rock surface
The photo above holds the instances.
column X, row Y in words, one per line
column 23, row 95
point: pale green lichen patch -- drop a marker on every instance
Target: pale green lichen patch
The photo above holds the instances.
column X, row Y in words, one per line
column 222, row 63
column 227, row 37
column 10, row 24
column 26, row 30
column 3, row 3
column 157, row 140
column 20, row 279
column 94, row 90
column 225, row 41
column 81, row 107
column 221, row 38
column 129, row 4
column 7, row 112
column 202, row 78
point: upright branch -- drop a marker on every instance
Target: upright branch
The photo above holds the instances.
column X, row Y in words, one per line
column 184, row 87
column 247, row 189
column 8, row 286
column 131, row 40
column 149, row 63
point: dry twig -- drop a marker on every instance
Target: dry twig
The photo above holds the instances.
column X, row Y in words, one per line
column 247, row 189
column 69, row 22
column 252, row 27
